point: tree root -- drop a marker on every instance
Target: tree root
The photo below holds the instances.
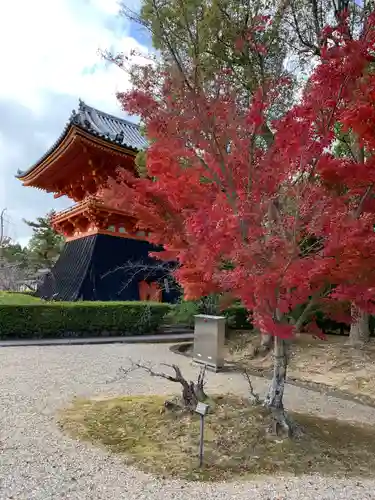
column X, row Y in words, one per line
column 266, row 345
column 283, row 426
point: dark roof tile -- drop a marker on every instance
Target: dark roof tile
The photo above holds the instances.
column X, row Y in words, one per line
column 99, row 124
column 108, row 126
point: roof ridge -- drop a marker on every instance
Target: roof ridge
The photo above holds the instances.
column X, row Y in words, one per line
column 82, row 106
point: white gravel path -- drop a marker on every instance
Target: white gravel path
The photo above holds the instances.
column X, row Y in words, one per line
column 38, row 462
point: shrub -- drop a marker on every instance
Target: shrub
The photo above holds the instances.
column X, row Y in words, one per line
column 328, row 325
column 183, row 313
column 238, row 318
column 80, row 319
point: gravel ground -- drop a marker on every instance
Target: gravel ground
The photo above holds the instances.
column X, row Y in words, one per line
column 38, row 462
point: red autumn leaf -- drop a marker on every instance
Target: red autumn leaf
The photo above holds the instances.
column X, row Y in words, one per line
column 275, row 225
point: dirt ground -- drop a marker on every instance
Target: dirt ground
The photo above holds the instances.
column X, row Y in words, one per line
column 327, row 364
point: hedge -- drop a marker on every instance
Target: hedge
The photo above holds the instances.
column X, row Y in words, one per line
column 80, row 319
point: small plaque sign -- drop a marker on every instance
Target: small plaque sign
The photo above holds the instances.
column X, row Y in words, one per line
column 202, row 409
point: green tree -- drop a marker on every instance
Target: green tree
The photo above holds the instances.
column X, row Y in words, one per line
column 214, row 36
column 13, row 252
column 14, row 265
column 45, row 244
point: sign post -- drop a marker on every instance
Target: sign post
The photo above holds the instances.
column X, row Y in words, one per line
column 202, row 410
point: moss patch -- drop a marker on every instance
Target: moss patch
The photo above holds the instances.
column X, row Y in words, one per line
column 236, row 442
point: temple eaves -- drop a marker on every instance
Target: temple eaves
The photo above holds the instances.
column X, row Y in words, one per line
column 98, row 124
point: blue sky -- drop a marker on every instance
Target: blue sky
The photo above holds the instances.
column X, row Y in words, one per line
column 49, row 59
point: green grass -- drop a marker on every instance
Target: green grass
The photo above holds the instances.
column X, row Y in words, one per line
column 236, row 442
column 17, row 298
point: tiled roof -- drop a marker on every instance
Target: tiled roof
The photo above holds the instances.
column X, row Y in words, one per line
column 99, row 124
column 108, row 127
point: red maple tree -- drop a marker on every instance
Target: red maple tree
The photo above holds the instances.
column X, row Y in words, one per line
column 285, row 227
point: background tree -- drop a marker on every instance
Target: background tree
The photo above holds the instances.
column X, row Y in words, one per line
column 45, row 244
column 14, row 276
column 15, row 270
column 306, row 19
column 219, row 193
column 212, row 36
column 219, row 35
column 302, row 28
column 14, row 252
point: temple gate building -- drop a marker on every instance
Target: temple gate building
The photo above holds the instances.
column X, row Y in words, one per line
column 104, row 257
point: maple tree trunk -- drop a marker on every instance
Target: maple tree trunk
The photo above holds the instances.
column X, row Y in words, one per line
column 282, row 424
column 198, row 387
column 359, row 328
column 189, row 398
column 192, row 392
column 266, row 342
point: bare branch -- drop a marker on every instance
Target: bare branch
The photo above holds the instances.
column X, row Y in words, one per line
column 358, row 211
column 253, row 395
column 192, row 392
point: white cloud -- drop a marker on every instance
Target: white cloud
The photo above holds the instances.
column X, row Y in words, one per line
column 49, row 59
column 47, row 44
column 108, row 6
